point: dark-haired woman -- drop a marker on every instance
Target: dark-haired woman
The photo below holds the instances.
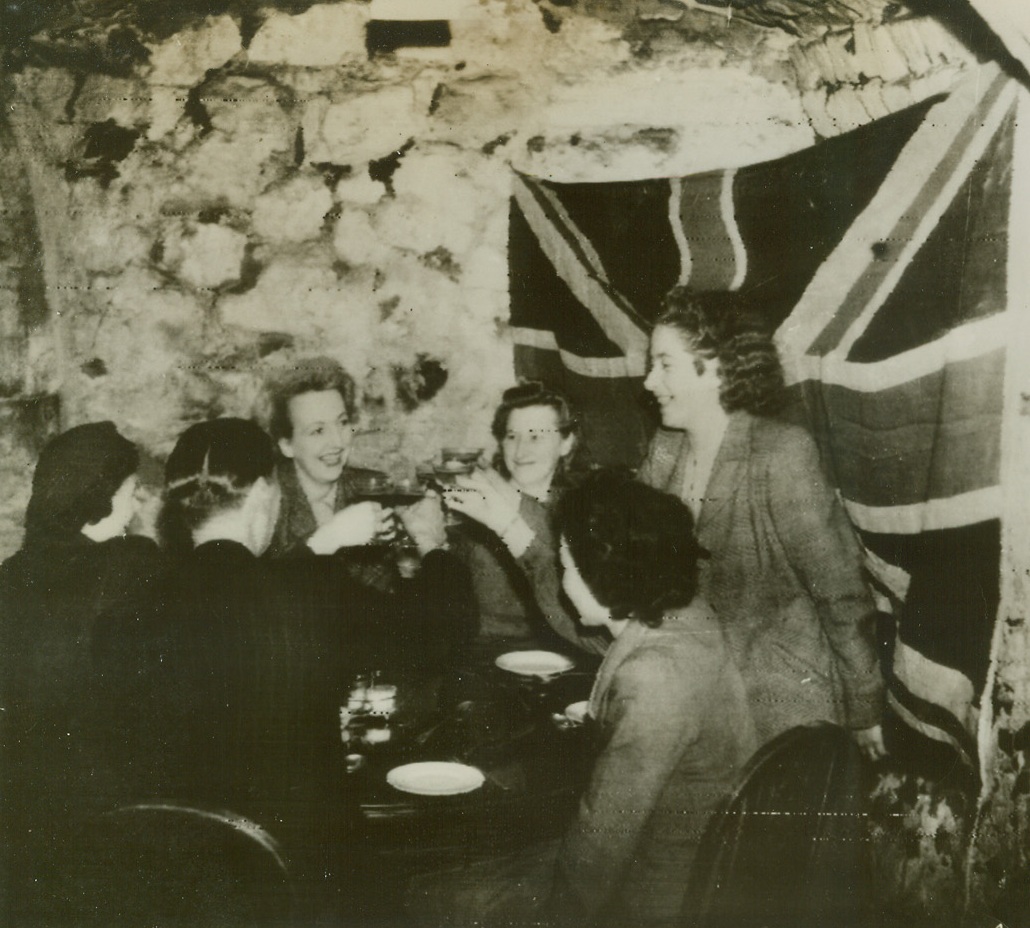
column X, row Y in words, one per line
column 672, row 716
column 66, row 598
column 536, row 435
column 784, row 572
column 255, row 656
column 668, row 701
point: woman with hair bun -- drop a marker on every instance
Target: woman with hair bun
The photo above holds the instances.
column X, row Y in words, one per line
column 261, row 652
column 784, row 575
column 256, row 656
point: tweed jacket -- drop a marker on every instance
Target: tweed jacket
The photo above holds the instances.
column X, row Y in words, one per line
column 676, row 732
column 784, row 576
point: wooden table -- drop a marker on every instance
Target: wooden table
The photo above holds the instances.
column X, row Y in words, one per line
column 535, row 770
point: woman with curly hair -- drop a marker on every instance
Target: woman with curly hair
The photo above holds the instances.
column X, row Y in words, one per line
column 784, row 571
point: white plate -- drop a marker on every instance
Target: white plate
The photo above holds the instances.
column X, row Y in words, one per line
column 435, row 778
column 576, row 712
column 534, row 663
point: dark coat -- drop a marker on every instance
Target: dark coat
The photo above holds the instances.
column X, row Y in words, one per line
column 66, row 680
column 255, row 657
column 784, row 576
column 676, row 733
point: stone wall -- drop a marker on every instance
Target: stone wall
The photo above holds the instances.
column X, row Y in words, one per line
column 243, row 190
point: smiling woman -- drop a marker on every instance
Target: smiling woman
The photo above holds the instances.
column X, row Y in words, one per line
column 313, row 420
column 784, row 575
column 536, row 435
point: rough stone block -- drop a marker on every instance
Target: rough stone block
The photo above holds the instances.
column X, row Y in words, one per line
column 205, row 255
column 405, row 223
column 480, row 113
column 184, row 58
column 127, row 102
column 877, row 44
column 845, row 109
column 486, row 270
column 246, row 107
column 295, row 295
column 362, row 128
column 356, row 242
column 322, row 36
column 294, row 212
column 222, row 170
column 166, row 109
column 359, row 189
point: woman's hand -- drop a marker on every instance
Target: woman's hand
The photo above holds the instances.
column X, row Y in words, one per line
column 352, row 526
column 484, row 495
column 870, row 742
column 424, row 522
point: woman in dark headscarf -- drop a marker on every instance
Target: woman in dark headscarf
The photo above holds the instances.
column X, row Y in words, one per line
column 65, row 598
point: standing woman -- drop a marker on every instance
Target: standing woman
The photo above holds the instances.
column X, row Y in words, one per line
column 784, row 572
column 535, row 432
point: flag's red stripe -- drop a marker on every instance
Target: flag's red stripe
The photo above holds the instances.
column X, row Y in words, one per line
column 712, row 262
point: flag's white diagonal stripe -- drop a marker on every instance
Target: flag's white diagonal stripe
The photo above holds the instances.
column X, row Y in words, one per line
column 976, row 339
column 676, row 188
column 586, row 367
column 832, row 286
column 583, row 281
column 729, row 219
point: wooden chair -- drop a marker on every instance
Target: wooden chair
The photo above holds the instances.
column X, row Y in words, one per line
column 160, row 865
column 789, row 847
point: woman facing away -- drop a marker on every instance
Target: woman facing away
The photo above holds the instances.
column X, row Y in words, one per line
column 66, row 597
column 670, row 711
column 784, row 572
column 668, row 700
column 264, row 649
column 76, row 582
column 255, row 656
column 536, row 432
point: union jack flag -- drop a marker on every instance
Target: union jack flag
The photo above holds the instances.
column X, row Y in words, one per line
column 879, row 258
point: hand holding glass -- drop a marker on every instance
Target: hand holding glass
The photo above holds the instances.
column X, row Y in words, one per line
column 360, row 524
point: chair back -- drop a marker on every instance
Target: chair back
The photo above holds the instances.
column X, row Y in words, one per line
column 162, row 865
column 789, row 848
